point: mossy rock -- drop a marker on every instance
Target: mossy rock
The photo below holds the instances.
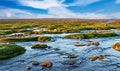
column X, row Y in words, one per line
column 116, row 46
column 10, row 50
column 39, row 46
column 44, row 38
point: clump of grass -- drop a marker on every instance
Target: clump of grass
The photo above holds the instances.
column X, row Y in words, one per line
column 116, row 46
column 10, row 50
column 44, row 38
column 39, row 46
column 91, row 35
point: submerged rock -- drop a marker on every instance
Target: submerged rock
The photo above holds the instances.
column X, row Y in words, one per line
column 35, row 63
column 46, row 64
column 71, row 56
column 71, row 63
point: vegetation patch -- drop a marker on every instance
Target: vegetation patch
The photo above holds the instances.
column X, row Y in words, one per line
column 39, row 46
column 116, row 46
column 25, row 39
column 18, row 39
column 91, row 35
column 10, row 50
column 44, row 38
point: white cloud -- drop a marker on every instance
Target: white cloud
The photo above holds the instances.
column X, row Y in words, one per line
column 42, row 4
column 14, row 13
column 83, row 2
column 117, row 1
column 57, row 12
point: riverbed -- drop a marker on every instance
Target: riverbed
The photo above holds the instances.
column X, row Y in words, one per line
column 66, row 46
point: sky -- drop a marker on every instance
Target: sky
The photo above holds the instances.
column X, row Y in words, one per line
column 83, row 9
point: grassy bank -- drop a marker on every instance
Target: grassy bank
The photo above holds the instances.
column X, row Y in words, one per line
column 10, row 50
column 25, row 39
column 91, row 35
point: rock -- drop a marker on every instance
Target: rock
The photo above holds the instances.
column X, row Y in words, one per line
column 87, row 44
column 79, row 44
column 71, row 63
column 63, row 63
column 28, row 67
column 56, row 49
column 35, row 63
column 46, row 64
column 95, row 43
column 71, row 56
column 116, row 46
column 93, row 58
column 100, row 57
column 107, row 54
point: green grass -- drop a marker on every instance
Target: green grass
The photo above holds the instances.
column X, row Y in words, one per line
column 91, row 35
column 37, row 46
column 10, row 50
column 44, row 38
column 26, row 39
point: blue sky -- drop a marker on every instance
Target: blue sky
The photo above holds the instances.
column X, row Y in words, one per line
column 83, row 9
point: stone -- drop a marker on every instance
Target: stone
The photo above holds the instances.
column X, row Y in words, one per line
column 46, row 64
column 28, row 67
column 93, row 58
column 95, row 43
column 71, row 63
column 35, row 63
column 100, row 57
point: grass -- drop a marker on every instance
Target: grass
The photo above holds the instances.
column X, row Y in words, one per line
column 91, row 35
column 26, row 39
column 10, row 50
column 44, row 38
column 41, row 46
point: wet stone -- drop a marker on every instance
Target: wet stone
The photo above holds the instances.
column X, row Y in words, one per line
column 46, row 64
column 35, row 63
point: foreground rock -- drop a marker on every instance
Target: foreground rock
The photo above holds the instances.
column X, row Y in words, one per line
column 10, row 50
column 116, row 46
column 46, row 64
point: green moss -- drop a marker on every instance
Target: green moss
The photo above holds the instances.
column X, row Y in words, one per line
column 41, row 46
column 91, row 35
column 19, row 39
column 44, row 38
column 10, row 50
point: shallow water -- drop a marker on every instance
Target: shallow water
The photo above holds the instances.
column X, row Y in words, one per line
column 66, row 46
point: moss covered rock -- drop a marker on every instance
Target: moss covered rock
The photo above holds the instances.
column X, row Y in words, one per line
column 41, row 46
column 10, row 50
column 44, row 38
